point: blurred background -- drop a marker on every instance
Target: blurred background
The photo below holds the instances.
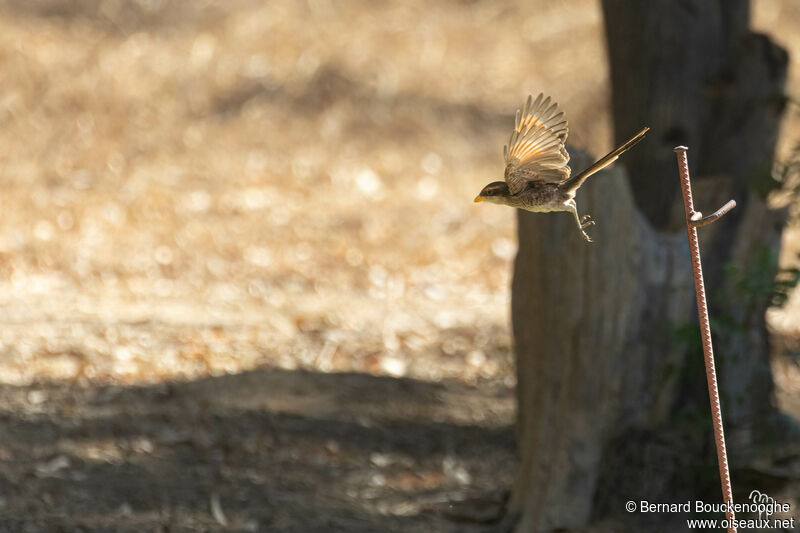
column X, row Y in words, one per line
column 210, row 207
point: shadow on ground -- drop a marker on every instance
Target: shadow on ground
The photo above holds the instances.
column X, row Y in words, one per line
column 266, row 450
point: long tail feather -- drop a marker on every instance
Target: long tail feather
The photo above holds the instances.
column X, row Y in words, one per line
column 576, row 181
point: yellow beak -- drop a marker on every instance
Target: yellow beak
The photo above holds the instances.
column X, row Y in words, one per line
column 479, row 198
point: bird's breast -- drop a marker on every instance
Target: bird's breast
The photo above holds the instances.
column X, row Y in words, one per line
column 542, row 208
column 541, row 198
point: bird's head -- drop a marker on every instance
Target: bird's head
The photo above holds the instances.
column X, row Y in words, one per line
column 496, row 193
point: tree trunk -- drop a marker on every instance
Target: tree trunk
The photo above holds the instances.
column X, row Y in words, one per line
column 611, row 383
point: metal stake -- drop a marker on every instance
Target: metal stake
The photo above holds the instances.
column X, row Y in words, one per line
column 695, row 219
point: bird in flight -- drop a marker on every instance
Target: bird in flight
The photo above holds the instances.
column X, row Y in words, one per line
column 537, row 176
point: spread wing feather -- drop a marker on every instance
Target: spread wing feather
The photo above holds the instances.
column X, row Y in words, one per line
column 536, row 150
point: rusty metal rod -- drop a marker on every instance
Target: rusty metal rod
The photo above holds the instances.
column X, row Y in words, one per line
column 697, row 219
column 705, row 327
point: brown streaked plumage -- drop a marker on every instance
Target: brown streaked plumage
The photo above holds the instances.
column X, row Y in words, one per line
column 537, row 176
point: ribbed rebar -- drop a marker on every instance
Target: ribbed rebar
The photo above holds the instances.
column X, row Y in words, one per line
column 697, row 219
column 705, row 329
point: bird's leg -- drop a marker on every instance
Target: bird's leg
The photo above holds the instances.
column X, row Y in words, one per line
column 582, row 222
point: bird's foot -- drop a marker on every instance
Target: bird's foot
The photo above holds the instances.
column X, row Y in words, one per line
column 585, row 222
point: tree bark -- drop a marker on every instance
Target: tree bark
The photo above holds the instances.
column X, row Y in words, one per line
column 588, row 320
column 610, row 376
column 713, row 85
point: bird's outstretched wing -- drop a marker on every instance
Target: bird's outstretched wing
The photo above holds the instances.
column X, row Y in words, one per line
column 536, row 150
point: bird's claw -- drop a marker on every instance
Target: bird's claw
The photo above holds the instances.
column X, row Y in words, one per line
column 585, row 222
